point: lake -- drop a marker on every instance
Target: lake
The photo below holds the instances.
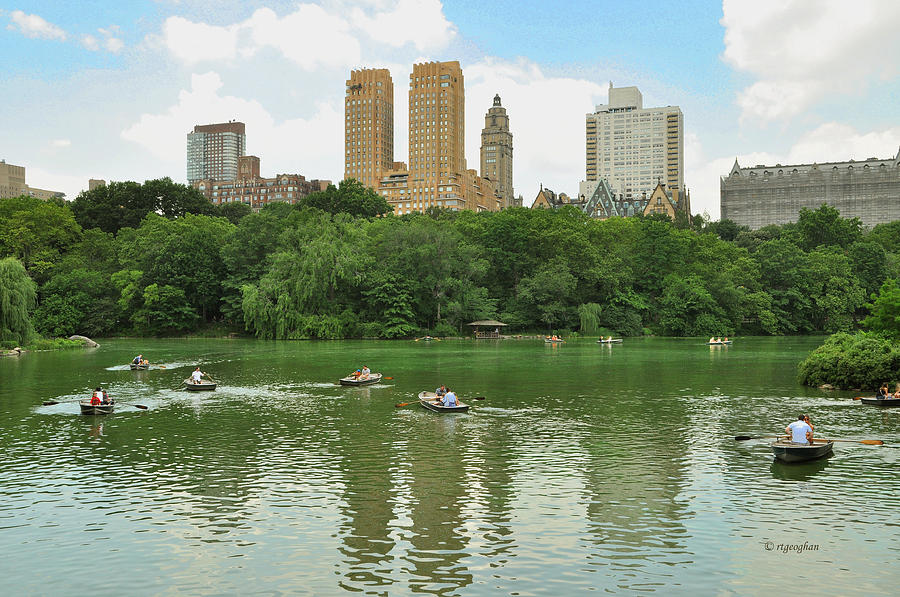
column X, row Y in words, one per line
column 585, row 467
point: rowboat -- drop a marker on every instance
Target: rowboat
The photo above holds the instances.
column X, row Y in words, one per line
column 355, row 381
column 141, row 367
column 787, row 451
column 552, row 341
column 96, row 409
column 886, row 402
column 199, row 387
column 613, row 341
column 426, row 399
column 718, row 343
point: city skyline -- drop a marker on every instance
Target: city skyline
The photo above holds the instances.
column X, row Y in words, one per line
column 118, row 87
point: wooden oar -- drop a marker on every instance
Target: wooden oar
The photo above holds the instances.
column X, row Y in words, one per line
column 868, row 442
column 740, row 438
column 387, row 378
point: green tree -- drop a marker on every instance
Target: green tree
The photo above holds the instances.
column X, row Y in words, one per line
column 885, row 310
column 825, row 226
column 184, row 253
column 547, row 292
column 36, row 233
column 80, row 301
column 17, row 298
column 589, row 314
column 235, row 212
column 165, row 309
column 125, row 204
column 350, row 197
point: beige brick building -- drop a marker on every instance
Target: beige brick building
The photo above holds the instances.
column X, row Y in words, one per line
column 369, row 125
column 213, row 151
column 12, row 180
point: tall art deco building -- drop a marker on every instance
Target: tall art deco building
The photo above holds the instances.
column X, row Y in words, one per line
column 369, row 125
column 497, row 151
column 436, row 174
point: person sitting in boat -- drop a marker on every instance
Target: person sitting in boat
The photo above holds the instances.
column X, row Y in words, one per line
column 725, row 339
column 449, row 399
column 145, row 362
column 897, row 391
column 440, row 391
column 97, row 397
column 138, row 360
column 105, row 399
column 364, row 374
column 800, row 431
column 197, row 376
column 356, row 374
column 712, row 340
column 883, row 392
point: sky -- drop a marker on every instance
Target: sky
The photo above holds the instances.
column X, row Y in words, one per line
column 95, row 89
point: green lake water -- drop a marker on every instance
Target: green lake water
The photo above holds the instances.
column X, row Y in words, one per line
column 586, row 467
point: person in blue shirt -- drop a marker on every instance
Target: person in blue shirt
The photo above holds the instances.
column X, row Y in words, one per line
column 449, row 399
column 440, row 391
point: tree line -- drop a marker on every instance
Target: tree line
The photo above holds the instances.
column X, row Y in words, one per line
column 159, row 259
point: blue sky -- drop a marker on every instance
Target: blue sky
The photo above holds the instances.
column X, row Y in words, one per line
column 109, row 89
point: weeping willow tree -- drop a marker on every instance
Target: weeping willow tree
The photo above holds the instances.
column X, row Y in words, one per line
column 589, row 313
column 17, row 297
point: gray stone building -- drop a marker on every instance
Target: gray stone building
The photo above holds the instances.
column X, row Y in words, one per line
column 763, row 195
column 497, row 152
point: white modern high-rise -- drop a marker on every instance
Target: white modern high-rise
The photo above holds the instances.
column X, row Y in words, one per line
column 633, row 147
column 213, row 151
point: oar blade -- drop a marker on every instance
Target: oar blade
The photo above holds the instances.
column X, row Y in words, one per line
column 50, row 403
column 140, row 406
column 401, row 404
column 872, row 442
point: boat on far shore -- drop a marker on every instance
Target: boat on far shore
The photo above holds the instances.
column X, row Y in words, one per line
column 612, row 341
column 142, row 367
column 720, row 343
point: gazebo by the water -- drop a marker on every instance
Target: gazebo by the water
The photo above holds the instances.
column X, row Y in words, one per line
column 487, row 329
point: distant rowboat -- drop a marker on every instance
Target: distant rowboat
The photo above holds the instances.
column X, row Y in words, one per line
column 613, row 341
column 96, row 409
column 134, row 366
column 356, row 381
column 718, row 343
column 426, row 399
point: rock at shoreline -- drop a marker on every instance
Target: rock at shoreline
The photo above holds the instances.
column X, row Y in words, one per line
column 87, row 341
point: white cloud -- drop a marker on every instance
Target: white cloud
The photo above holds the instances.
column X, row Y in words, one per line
column 60, row 143
column 112, row 43
column 325, row 40
column 802, row 51
column 34, row 26
column 90, row 42
column 311, row 146
column 419, row 22
column 313, row 36
column 830, row 142
column 196, row 42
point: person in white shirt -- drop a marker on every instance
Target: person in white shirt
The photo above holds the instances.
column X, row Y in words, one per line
column 800, row 431
column 364, row 374
column 197, row 375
